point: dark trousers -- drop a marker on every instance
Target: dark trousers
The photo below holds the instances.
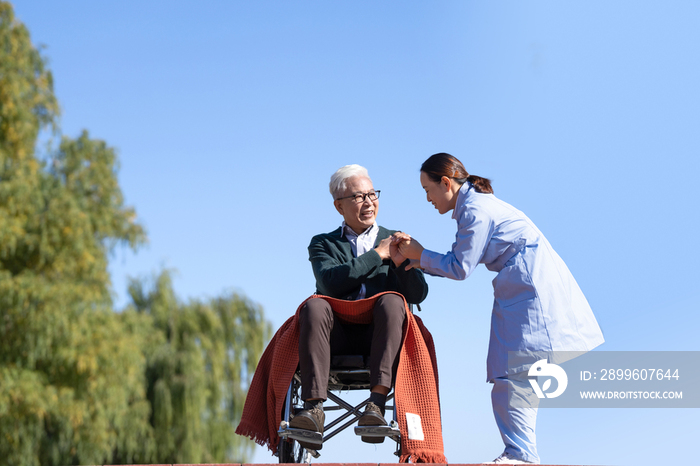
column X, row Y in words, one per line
column 322, row 335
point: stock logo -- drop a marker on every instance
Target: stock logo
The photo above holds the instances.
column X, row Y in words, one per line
column 544, row 369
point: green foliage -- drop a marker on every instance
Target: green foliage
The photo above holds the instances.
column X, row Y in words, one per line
column 80, row 383
column 200, row 361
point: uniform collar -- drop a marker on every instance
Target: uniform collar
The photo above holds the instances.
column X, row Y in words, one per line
column 464, row 191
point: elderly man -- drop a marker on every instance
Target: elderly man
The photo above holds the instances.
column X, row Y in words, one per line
column 353, row 262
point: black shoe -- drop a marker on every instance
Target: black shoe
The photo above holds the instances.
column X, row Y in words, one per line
column 373, row 416
column 309, row 419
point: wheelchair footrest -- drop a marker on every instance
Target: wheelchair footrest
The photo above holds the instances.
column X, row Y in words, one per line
column 392, row 431
column 303, row 435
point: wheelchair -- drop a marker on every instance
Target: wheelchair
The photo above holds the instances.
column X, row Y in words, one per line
column 347, row 373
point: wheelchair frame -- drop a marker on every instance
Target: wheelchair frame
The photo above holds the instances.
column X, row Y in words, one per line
column 340, row 378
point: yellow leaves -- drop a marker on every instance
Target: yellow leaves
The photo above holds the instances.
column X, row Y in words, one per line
column 77, row 418
column 38, row 412
column 9, row 106
column 72, row 373
column 26, row 96
column 25, row 393
column 87, row 258
column 85, row 364
column 33, row 165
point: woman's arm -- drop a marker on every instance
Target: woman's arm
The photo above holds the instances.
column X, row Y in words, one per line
column 473, row 235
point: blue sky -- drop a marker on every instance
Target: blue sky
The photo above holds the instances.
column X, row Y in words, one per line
column 229, row 118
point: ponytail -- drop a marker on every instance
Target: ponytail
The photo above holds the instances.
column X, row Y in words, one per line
column 443, row 164
column 481, row 185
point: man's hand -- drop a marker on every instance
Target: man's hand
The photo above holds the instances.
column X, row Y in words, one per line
column 396, row 256
column 384, row 248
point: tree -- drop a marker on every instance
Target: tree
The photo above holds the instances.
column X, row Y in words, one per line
column 71, row 377
column 201, row 359
column 80, row 383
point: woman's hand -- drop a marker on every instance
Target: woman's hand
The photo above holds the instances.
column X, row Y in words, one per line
column 399, row 236
column 413, row 264
column 407, row 246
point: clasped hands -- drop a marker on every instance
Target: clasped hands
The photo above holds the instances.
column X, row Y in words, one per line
column 399, row 247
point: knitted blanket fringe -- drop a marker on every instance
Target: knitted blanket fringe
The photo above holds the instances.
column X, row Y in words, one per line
column 422, row 456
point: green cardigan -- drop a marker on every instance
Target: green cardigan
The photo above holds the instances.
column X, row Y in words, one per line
column 340, row 275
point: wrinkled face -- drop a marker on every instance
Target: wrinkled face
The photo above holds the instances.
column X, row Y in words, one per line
column 438, row 194
column 360, row 216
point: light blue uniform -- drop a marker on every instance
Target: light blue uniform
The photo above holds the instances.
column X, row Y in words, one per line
column 538, row 305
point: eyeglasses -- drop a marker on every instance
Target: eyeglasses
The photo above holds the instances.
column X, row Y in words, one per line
column 359, row 198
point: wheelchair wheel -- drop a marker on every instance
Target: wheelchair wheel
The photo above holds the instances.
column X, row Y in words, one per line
column 289, row 450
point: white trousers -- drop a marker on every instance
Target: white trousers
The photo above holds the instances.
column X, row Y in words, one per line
column 517, row 425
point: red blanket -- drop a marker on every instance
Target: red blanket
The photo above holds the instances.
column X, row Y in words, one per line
column 416, row 385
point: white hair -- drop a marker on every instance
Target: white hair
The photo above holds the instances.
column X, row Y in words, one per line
column 340, row 177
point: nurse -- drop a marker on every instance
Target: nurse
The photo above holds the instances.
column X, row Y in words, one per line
column 538, row 306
